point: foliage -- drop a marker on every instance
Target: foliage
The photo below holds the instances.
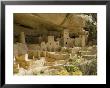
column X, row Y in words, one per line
column 77, row 65
column 41, row 72
column 92, row 32
column 75, row 60
column 71, row 68
column 89, row 68
column 15, row 70
column 35, row 73
column 77, row 73
column 63, row 72
column 93, row 67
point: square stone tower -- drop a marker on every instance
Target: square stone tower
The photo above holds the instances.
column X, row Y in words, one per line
column 50, row 44
column 22, row 37
column 66, row 37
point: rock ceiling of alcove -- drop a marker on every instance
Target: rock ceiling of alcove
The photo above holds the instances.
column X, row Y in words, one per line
column 47, row 21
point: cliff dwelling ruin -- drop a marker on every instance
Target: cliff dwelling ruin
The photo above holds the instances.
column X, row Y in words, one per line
column 55, row 44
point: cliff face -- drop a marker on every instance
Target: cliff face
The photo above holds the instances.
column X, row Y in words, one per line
column 52, row 21
column 38, row 24
column 56, row 18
